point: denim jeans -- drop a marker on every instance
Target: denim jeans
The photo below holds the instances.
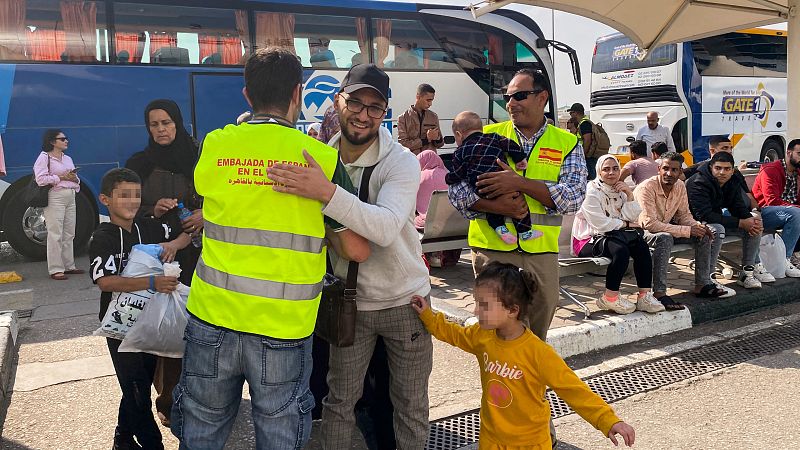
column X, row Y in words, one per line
column 662, row 243
column 750, row 244
column 786, row 218
column 216, row 364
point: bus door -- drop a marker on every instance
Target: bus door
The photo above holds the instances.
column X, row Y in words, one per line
column 217, row 100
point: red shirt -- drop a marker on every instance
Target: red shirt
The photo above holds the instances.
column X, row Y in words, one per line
column 769, row 185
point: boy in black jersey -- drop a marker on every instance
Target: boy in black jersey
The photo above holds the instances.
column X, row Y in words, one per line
column 121, row 192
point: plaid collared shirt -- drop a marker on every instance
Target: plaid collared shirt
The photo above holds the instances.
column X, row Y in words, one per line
column 567, row 192
column 790, row 191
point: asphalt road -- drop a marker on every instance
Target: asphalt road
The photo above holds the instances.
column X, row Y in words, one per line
column 66, row 396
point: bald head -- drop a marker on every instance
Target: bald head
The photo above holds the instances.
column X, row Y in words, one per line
column 466, row 123
column 652, row 120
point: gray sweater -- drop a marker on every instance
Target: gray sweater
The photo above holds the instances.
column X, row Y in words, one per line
column 395, row 270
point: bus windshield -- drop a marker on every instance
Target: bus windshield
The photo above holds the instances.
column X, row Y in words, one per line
column 619, row 53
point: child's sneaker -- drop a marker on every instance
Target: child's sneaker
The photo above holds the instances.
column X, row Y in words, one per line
column 648, row 303
column 762, row 275
column 620, row 305
column 747, row 278
column 505, row 235
column 530, row 234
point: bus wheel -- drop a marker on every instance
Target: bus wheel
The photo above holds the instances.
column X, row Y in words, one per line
column 26, row 231
column 772, row 151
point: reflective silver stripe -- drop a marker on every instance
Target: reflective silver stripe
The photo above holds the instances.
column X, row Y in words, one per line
column 260, row 288
column 262, row 238
column 545, row 219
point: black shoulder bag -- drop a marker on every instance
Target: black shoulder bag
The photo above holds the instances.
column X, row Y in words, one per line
column 35, row 195
column 336, row 319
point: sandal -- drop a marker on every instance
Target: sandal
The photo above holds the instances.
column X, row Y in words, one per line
column 59, row 276
column 710, row 291
column 670, row 304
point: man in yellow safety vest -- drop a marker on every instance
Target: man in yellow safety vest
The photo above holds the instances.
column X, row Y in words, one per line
column 256, row 289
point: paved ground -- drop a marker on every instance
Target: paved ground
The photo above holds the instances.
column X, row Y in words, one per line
column 66, row 396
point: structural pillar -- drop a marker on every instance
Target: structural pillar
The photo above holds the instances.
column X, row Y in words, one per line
column 793, row 72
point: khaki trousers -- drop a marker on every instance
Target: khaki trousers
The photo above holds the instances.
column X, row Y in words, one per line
column 59, row 217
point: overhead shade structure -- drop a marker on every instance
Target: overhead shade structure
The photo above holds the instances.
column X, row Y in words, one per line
column 653, row 23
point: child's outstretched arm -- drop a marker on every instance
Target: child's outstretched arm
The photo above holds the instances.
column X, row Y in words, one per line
column 624, row 430
column 452, row 333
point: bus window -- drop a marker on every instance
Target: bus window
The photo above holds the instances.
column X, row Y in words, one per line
column 159, row 34
column 55, row 31
column 406, row 44
column 741, row 55
column 619, row 53
column 525, row 55
column 342, row 44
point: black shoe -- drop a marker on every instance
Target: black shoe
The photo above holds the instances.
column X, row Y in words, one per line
column 125, row 442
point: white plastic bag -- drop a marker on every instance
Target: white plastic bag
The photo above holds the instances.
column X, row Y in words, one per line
column 125, row 307
column 773, row 255
column 159, row 328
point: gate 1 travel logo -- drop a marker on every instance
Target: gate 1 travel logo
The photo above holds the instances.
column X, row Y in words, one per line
column 747, row 103
column 318, row 95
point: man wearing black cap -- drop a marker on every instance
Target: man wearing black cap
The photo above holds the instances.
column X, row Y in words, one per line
column 577, row 112
column 390, row 276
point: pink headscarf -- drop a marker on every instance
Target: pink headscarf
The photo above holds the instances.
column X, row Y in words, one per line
column 432, row 179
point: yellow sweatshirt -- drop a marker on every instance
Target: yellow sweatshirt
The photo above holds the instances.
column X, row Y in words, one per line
column 514, row 376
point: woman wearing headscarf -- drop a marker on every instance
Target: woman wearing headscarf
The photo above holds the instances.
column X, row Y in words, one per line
column 166, row 167
column 607, row 226
column 432, row 179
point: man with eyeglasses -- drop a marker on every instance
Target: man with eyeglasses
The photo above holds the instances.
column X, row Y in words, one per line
column 553, row 184
column 389, row 277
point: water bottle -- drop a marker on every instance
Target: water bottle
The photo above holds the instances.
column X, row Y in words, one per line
column 183, row 213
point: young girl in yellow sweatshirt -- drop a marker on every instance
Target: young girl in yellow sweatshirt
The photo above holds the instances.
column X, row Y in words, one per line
column 516, row 366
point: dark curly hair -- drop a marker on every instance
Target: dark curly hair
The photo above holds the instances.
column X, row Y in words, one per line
column 514, row 286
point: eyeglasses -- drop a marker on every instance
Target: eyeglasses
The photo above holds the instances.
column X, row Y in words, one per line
column 355, row 106
column 521, row 95
column 62, row 139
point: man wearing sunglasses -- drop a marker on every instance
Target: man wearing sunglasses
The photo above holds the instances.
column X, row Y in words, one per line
column 393, row 272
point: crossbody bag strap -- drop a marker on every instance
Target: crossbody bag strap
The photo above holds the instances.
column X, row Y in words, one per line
column 352, row 268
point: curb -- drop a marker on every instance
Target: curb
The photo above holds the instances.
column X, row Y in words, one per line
column 780, row 292
column 8, row 351
column 597, row 334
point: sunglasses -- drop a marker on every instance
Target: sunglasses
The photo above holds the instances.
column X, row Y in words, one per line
column 62, row 139
column 521, row 95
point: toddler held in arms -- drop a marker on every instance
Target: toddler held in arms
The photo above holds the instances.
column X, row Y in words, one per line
column 516, row 366
column 477, row 153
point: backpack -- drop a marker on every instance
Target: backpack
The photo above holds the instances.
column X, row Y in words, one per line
column 600, row 141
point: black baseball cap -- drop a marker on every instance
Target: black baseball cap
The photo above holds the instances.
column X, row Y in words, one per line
column 366, row 76
column 576, row 107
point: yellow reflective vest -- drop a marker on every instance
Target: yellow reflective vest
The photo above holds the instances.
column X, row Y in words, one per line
column 263, row 256
column 544, row 164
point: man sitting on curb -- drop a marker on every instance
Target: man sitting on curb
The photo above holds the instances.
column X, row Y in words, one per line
column 667, row 221
column 711, row 189
column 775, row 190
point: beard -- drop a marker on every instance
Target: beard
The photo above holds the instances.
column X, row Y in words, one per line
column 355, row 140
column 795, row 164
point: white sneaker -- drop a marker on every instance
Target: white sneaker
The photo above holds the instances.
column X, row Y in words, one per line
column 620, row 306
column 795, row 259
column 762, row 275
column 748, row 279
column 728, row 291
column 791, row 270
column 648, row 303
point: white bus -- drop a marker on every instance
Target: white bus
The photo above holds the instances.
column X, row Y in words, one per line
column 733, row 84
column 92, row 72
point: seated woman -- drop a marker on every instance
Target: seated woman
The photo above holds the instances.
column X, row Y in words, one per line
column 432, row 179
column 607, row 225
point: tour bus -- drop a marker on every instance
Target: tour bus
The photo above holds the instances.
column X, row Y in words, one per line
column 733, row 84
column 90, row 67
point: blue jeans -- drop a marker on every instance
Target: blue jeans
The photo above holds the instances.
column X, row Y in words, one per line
column 216, row 364
column 786, row 218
